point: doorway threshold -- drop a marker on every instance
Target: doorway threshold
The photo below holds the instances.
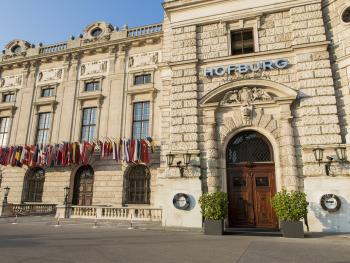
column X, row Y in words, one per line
column 253, row 231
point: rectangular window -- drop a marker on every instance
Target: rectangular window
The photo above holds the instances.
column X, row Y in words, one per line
column 9, row 97
column 4, row 130
column 92, row 86
column 43, row 130
column 47, row 92
column 89, row 124
column 242, row 42
column 140, row 127
column 143, row 79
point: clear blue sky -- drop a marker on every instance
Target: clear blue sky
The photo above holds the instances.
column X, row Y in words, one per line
column 51, row 21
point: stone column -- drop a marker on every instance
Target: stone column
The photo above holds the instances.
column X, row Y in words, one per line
column 288, row 160
column 211, row 179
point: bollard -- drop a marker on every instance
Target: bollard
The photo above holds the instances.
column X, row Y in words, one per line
column 58, row 222
column 15, row 221
column 131, row 227
column 95, row 222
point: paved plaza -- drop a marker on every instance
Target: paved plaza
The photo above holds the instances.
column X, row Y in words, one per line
column 39, row 240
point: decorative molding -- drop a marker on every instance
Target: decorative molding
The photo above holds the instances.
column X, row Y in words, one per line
column 144, row 59
column 50, row 75
column 11, row 81
column 94, row 68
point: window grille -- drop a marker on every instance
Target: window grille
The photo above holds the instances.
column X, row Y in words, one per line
column 34, row 185
column 249, row 147
column 137, row 189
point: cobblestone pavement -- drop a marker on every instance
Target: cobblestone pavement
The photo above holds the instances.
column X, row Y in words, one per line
column 37, row 239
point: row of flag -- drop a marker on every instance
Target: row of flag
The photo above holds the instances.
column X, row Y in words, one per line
column 65, row 154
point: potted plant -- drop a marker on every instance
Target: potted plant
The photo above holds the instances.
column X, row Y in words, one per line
column 214, row 210
column 290, row 208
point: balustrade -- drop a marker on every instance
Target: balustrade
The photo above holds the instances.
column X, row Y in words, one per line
column 145, row 30
column 53, row 48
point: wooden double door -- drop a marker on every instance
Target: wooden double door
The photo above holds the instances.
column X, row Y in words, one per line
column 250, row 189
column 83, row 187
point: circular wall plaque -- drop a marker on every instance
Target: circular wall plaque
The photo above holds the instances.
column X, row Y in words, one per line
column 181, row 201
column 330, row 202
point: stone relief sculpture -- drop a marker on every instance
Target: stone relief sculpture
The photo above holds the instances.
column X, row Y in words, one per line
column 246, row 96
column 11, row 81
column 145, row 59
column 50, row 75
column 93, row 68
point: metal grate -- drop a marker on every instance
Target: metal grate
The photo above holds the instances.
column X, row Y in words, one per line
column 248, row 147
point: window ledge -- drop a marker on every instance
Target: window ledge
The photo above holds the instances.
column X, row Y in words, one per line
column 46, row 101
column 8, row 106
column 145, row 88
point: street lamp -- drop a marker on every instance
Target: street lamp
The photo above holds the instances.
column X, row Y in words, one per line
column 6, row 194
column 170, row 159
column 66, row 192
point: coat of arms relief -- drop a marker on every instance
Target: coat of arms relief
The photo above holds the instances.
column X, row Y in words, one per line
column 246, row 96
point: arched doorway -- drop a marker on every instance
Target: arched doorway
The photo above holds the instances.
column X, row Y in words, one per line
column 137, row 185
column 34, row 185
column 250, row 181
column 83, row 186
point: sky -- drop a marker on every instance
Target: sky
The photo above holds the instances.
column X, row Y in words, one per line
column 53, row 21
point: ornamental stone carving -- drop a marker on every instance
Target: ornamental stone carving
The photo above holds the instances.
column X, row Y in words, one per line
column 16, row 48
column 50, row 75
column 246, row 96
column 144, row 59
column 11, row 81
column 94, row 68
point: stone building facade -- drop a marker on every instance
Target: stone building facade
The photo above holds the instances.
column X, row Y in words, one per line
column 256, row 93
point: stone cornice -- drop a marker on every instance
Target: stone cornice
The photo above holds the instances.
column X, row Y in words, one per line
column 82, row 49
column 271, row 54
column 229, row 15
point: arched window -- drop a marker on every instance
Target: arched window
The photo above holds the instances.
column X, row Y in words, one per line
column 249, row 147
column 83, row 186
column 34, row 185
column 137, row 188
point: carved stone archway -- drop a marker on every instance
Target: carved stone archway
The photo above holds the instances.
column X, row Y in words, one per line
column 260, row 105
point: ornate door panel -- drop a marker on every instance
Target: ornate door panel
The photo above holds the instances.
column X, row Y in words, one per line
column 263, row 191
column 240, row 198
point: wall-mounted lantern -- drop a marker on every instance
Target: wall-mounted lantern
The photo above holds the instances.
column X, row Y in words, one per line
column 187, row 160
column 318, row 152
column 341, row 153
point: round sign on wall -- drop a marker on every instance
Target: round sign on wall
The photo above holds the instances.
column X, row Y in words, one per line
column 181, row 201
column 330, row 202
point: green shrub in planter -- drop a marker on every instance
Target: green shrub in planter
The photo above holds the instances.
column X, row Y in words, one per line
column 214, row 209
column 214, row 205
column 290, row 208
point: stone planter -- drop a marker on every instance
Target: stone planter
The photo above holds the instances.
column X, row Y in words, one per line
column 214, row 227
column 292, row 229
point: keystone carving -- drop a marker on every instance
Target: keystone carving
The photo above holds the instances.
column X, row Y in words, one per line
column 246, row 96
